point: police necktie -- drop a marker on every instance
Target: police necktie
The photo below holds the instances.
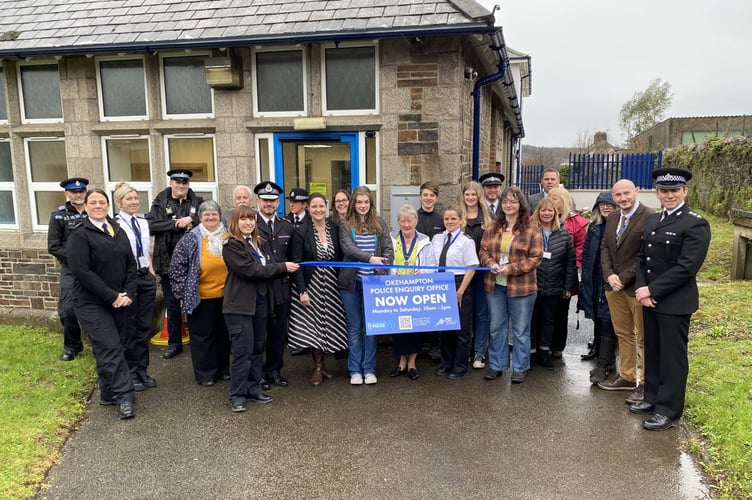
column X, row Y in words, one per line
column 444, row 250
column 137, row 233
column 271, row 226
column 664, row 214
column 297, row 220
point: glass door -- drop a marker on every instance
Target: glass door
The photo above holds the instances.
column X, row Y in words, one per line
column 318, row 162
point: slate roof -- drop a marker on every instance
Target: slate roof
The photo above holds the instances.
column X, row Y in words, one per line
column 29, row 27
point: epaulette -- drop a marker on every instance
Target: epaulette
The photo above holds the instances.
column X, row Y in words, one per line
column 695, row 214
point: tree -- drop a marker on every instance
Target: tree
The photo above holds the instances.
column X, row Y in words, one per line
column 645, row 109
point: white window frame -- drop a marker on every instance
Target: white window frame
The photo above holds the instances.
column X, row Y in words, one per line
column 350, row 112
column 270, row 154
column 196, row 186
column 40, row 187
column 4, row 121
column 46, row 62
column 10, row 186
column 256, row 112
column 162, row 89
column 110, row 184
column 100, row 98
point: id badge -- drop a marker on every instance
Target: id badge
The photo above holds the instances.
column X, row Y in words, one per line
column 503, row 259
column 143, row 262
column 547, row 255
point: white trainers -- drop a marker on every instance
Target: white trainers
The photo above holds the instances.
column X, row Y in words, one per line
column 371, row 378
column 356, row 379
column 479, row 361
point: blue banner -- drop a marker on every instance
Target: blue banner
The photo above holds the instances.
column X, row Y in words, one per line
column 410, row 303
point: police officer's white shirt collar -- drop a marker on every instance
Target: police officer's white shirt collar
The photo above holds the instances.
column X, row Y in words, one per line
column 267, row 220
column 631, row 212
column 97, row 224
column 300, row 216
column 671, row 212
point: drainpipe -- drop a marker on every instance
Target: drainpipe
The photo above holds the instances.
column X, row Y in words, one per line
column 498, row 47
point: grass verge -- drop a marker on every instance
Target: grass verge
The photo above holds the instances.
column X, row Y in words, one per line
column 42, row 400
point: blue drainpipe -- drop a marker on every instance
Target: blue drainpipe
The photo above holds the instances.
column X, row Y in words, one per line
column 479, row 84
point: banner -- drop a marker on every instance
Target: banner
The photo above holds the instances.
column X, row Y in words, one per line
column 410, row 303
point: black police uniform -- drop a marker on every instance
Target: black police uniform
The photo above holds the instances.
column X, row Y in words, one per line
column 673, row 250
column 62, row 222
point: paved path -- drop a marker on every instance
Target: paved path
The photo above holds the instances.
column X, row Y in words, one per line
column 552, row 437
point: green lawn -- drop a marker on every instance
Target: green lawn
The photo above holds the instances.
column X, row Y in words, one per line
column 42, row 400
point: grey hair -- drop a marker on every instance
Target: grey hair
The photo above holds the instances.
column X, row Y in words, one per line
column 238, row 188
column 209, row 205
column 407, row 210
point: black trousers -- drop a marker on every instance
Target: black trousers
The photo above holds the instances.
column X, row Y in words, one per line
column 174, row 314
column 247, row 335
column 66, row 310
column 105, row 325
column 543, row 321
column 561, row 325
column 455, row 344
column 276, row 339
column 210, row 344
column 139, row 325
column 666, row 361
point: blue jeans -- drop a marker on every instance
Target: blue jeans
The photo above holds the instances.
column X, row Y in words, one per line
column 481, row 322
column 361, row 357
column 518, row 311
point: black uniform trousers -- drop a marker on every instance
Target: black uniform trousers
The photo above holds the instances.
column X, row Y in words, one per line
column 543, row 321
column 276, row 339
column 66, row 310
column 105, row 326
column 140, row 315
column 247, row 335
column 666, row 362
column 210, row 344
column 455, row 344
column 561, row 325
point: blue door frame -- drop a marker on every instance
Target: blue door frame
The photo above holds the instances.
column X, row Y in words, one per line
column 351, row 138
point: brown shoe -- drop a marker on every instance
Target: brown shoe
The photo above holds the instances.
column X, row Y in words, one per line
column 618, row 384
column 637, row 396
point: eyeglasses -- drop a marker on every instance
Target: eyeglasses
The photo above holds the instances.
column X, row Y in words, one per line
column 510, row 202
column 344, row 200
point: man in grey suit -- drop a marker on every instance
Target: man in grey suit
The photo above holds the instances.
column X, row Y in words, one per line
column 622, row 239
column 549, row 180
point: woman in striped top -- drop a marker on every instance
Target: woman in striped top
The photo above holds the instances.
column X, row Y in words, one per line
column 363, row 237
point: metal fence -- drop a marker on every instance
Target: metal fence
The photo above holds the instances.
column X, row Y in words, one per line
column 528, row 178
column 601, row 171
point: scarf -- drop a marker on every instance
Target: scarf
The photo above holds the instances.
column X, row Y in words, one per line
column 214, row 244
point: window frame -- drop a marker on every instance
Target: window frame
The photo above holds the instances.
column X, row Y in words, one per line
column 10, row 186
column 196, row 186
column 350, row 112
column 21, row 96
column 254, row 80
column 100, row 94
column 4, row 96
column 162, row 89
column 41, row 186
column 147, row 186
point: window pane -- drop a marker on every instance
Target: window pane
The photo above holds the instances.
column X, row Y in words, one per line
column 3, row 108
column 350, row 78
column 128, row 160
column 195, row 154
column 41, row 92
column 279, row 81
column 47, row 161
column 6, row 165
column 7, row 216
column 123, row 92
column 371, row 160
column 47, row 202
column 144, row 203
column 186, row 91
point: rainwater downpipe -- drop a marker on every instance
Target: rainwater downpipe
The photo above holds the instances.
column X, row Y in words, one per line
column 477, row 91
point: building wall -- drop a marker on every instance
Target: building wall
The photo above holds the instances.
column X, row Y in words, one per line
column 424, row 125
column 669, row 132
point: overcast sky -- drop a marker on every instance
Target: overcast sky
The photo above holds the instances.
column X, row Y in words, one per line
column 590, row 56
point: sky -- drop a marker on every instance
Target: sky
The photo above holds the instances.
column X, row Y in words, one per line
column 589, row 57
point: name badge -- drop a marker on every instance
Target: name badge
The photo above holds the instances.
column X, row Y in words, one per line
column 143, row 261
column 547, row 255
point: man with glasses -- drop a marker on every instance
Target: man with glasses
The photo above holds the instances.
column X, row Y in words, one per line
column 173, row 213
column 62, row 221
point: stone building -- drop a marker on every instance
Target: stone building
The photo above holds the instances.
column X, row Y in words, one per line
column 323, row 94
column 673, row 132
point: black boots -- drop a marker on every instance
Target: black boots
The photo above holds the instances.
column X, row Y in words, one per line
column 606, row 363
column 593, row 348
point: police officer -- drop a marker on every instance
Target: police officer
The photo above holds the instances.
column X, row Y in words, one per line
column 298, row 206
column 62, row 221
column 173, row 213
column 674, row 246
column 278, row 232
column 491, row 183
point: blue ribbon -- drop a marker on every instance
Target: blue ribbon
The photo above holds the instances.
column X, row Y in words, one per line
column 364, row 265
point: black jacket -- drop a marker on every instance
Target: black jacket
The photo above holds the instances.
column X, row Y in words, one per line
column 102, row 264
column 62, row 222
column 247, row 277
column 280, row 245
column 429, row 223
column 558, row 273
column 304, row 250
column 592, row 297
column 164, row 210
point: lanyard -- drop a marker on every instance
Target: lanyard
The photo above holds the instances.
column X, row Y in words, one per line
column 412, row 246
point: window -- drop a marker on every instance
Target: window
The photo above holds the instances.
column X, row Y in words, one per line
column 351, row 79
column 7, row 199
column 46, row 166
column 185, row 93
column 127, row 159
column 196, row 153
column 3, row 104
column 280, row 88
column 697, row 137
column 122, row 89
column 40, row 92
